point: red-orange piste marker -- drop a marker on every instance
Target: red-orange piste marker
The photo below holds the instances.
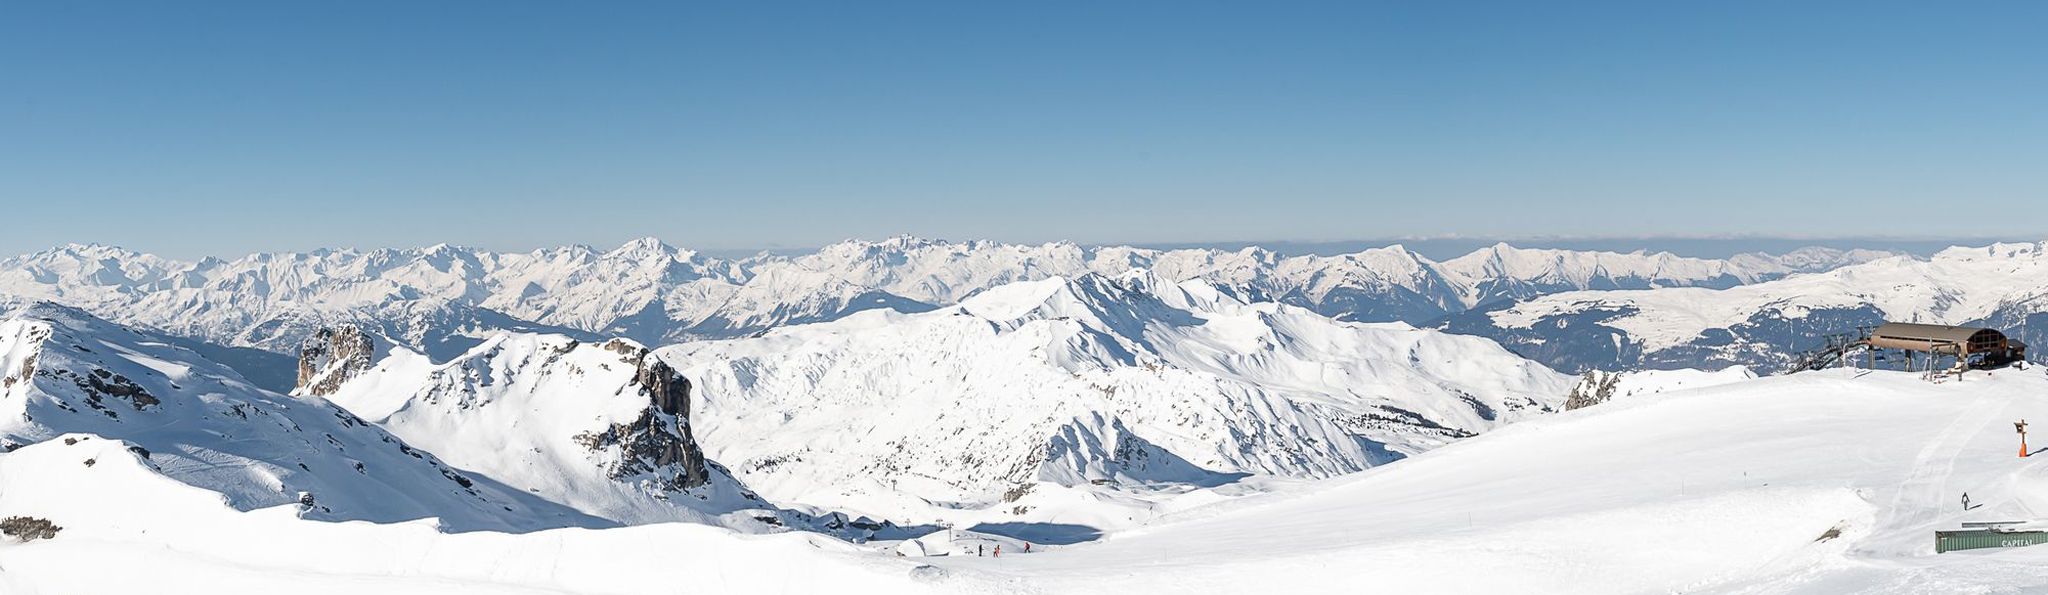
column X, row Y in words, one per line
column 2021, row 427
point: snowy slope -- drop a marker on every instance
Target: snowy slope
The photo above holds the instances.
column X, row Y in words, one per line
column 1816, row 483
column 1826, row 482
column 128, row 529
column 442, row 300
column 1761, row 324
column 200, row 423
column 600, row 427
column 1033, row 398
column 1598, row 387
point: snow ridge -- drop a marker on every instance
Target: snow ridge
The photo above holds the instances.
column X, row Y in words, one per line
column 1030, row 392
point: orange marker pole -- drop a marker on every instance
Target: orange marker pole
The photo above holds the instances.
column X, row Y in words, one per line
column 2021, row 427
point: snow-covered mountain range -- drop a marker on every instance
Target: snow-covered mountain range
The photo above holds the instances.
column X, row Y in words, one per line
column 201, row 423
column 1030, row 397
column 443, row 300
column 1760, row 325
column 1009, row 407
column 540, row 431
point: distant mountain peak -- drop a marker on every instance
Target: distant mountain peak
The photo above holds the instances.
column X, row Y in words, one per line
column 643, row 248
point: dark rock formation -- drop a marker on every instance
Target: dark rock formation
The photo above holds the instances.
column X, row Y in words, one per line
column 29, row 528
column 1594, row 388
column 332, row 356
column 659, row 441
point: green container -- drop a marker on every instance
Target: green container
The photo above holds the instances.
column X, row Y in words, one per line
column 1973, row 539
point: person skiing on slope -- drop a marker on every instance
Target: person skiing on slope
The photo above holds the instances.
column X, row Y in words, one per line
column 999, row 551
column 1966, row 501
column 977, row 550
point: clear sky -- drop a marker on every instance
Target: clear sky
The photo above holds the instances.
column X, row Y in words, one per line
column 190, row 128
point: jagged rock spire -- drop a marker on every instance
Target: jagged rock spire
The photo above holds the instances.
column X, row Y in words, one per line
column 332, row 356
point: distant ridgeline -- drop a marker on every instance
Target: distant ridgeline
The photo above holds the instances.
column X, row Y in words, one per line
column 443, row 300
column 1764, row 325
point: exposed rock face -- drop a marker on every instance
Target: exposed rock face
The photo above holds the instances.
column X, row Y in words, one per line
column 660, row 437
column 11, row 375
column 669, row 391
column 332, row 356
column 1594, row 388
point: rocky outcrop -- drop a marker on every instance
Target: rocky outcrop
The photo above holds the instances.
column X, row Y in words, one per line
column 333, row 356
column 1598, row 387
column 659, row 441
column 1594, row 388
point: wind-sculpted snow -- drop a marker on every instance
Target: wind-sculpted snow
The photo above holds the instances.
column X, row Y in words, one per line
column 443, row 300
column 1029, row 391
column 63, row 371
column 1762, row 325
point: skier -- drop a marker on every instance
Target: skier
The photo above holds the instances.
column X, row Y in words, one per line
column 1966, row 501
column 1027, row 547
column 977, row 550
column 999, row 551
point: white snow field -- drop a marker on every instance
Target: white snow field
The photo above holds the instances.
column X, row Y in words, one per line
column 1728, row 489
column 1822, row 482
column 127, row 529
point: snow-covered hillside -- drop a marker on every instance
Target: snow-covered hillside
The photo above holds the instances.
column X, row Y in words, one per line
column 1760, row 325
column 1818, row 483
column 200, row 423
column 442, row 300
column 1030, row 397
column 601, row 427
column 128, row 529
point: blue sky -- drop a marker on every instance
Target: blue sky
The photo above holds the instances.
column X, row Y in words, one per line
column 225, row 128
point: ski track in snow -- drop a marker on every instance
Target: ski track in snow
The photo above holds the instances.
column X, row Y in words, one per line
column 1922, row 496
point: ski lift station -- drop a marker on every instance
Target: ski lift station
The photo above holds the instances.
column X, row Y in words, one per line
column 1971, row 347
column 1932, row 348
